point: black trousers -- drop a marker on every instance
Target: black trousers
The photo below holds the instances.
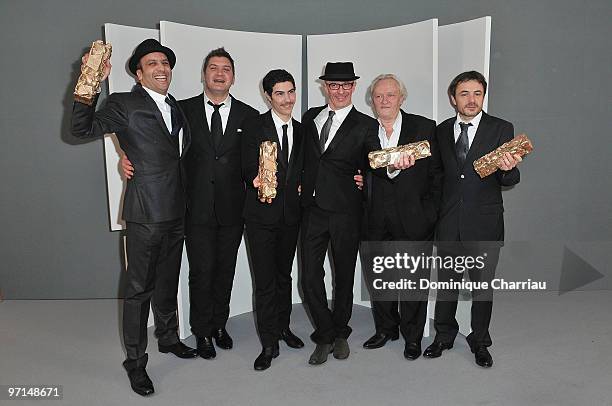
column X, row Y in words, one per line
column 154, row 261
column 272, row 249
column 412, row 314
column 212, row 250
column 319, row 229
column 445, row 322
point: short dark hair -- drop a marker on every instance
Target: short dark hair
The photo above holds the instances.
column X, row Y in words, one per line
column 464, row 77
column 220, row 52
column 276, row 76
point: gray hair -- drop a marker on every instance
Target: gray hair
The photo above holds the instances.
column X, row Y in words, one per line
column 402, row 87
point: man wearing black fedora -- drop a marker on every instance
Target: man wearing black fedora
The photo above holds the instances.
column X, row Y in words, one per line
column 150, row 127
column 216, row 192
column 336, row 143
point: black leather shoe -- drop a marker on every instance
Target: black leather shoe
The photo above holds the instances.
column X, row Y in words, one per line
column 483, row 357
column 264, row 360
column 222, row 339
column 412, row 351
column 378, row 340
column 179, row 349
column 140, row 381
column 291, row 339
column 435, row 349
column 206, row 349
column 319, row 356
column 341, row 348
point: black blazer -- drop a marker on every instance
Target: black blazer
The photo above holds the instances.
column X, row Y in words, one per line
column 156, row 192
column 215, row 189
column 285, row 206
column 331, row 173
column 416, row 190
column 472, row 208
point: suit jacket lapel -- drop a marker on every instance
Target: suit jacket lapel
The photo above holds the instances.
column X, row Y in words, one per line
column 479, row 137
column 160, row 120
column 270, row 132
column 314, row 133
column 407, row 132
column 186, row 132
column 297, row 144
column 448, row 138
column 344, row 129
column 201, row 123
column 233, row 121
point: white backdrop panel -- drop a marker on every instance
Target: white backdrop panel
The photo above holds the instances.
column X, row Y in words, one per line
column 462, row 46
column 124, row 39
column 254, row 55
column 409, row 51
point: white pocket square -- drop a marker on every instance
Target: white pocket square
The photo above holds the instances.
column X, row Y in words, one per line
column 239, row 130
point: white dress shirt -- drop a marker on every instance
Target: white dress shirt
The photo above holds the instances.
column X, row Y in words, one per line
column 166, row 112
column 337, row 121
column 471, row 129
column 223, row 110
column 278, row 124
column 392, row 141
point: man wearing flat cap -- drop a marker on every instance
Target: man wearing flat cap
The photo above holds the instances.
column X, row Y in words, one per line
column 336, row 143
column 150, row 127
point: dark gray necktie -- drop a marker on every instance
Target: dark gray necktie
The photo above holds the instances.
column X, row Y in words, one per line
column 216, row 126
column 325, row 130
column 285, row 144
column 462, row 146
column 176, row 118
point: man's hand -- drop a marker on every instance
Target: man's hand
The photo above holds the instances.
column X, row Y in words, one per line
column 256, row 182
column 509, row 161
column 107, row 66
column 126, row 166
column 404, row 161
column 358, row 180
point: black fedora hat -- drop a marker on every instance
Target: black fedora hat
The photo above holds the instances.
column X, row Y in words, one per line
column 146, row 47
column 340, row 71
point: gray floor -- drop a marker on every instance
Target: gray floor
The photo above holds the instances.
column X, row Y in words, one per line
column 548, row 350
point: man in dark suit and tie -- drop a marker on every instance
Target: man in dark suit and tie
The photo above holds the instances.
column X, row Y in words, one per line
column 216, row 194
column 272, row 228
column 471, row 213
column 150, row 127
column 403, row 206
column 215, row 191
column 337, row 139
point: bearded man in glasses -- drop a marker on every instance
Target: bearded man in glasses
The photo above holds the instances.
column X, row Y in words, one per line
column 336, row 143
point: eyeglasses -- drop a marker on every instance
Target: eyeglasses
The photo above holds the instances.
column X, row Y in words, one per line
column 343, row 85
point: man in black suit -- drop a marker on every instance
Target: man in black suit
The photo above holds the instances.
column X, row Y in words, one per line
column 337, row 139
column 272, row 227
column 150, row 127
column 471, row 213
column 215, row 191
column 403, row 206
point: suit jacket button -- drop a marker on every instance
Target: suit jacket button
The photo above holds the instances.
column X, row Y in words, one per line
column 216, row 158
column 462, row 176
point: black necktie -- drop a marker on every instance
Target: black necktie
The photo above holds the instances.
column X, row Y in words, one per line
column 216, row 127
column 285, row 144
column 462, row 146
column 325, row 130
column 176, row 118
